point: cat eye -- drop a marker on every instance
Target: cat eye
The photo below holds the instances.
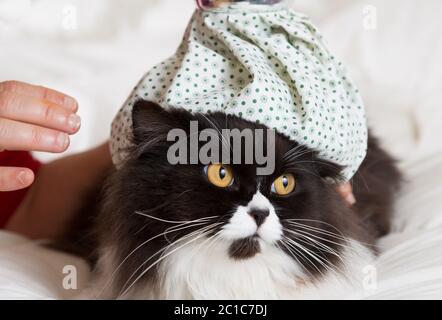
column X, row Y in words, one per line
column 219, row 175
column 283, row 185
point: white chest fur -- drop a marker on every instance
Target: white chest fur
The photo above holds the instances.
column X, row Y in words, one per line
column 202, row 272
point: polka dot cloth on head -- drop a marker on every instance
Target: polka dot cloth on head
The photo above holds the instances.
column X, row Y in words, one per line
column 266, row 64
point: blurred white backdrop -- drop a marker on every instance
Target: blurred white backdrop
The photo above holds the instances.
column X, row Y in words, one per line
column 97, row 51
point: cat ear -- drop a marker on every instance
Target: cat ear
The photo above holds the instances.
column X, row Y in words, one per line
column 150, row 121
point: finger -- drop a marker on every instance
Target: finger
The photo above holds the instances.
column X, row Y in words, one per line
column 346, row 191
column 350, row 198
column 28, row 109
column 22, row 136
column 344, row 188
column 41, row 93
column 12, row 179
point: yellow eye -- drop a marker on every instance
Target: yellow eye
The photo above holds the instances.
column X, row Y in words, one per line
column 219, row 175
column 284, row 184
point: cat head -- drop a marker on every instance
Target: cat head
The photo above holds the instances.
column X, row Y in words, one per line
column 295, row 209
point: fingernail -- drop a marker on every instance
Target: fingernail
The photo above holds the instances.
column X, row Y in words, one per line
column 62, row 140
column 24, row 178
column 74, row 121
column 70, row 103
column 351, row 199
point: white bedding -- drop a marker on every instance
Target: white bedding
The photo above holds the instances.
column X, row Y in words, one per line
column 397, row 66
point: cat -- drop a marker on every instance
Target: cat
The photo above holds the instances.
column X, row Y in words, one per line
column 185, row 232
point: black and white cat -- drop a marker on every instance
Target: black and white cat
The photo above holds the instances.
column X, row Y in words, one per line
column 222, row 232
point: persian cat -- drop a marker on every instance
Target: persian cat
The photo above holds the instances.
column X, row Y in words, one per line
column 218, row 231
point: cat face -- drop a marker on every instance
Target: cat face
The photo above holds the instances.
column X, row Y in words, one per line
column 154, row 207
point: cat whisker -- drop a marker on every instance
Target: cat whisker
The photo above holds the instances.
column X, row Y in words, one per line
column 311, row 234
column 319, row 245
column 201, row 233
column 215, row 236
column 209, row 242
column 185, row 225
column 301, row 250
column 316, row 221
column 198, row 222
column 222, row 139
column 323, row 261
column 315, row 256
column 326, row 248
column 316, row 161
column 313, row 231
column 173, row 221
column 192, row 225
column 309, row 172
column 293, row 160
column 326, row 232
column 293, row 255
column 163, row 205
column 160, row 252
column 307, row 234
column 294, row 152
column 327, row 265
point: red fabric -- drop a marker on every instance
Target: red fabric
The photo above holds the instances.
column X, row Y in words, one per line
column 9, row 201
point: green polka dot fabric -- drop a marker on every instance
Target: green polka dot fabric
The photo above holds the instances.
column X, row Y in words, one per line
column 266, row 64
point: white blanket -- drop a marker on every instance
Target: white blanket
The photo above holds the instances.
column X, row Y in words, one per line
column 97, row 50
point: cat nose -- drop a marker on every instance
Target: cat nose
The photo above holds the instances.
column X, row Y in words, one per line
column 259, row 215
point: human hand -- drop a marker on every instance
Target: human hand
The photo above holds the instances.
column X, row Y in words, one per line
column 33, row 118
